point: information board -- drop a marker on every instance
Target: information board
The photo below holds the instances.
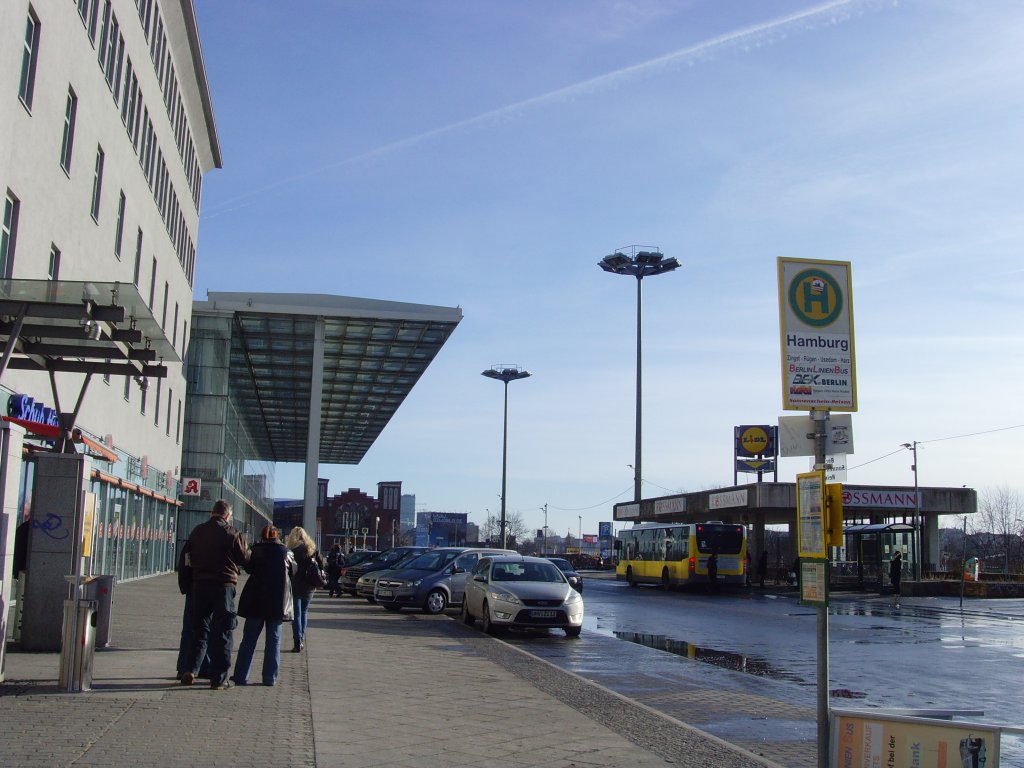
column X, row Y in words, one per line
column 810, row 512
column 816, row 330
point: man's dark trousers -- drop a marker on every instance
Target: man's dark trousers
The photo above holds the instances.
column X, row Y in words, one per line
column 213, row 615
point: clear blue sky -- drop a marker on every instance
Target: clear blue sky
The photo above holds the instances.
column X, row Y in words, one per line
column 487, row 154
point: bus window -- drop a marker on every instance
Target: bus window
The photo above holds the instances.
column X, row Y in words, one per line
column 723, row 539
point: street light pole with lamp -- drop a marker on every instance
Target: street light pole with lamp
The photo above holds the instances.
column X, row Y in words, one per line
column 918, row 540
column 505, row 373
column 639, row 264
column 544, row 550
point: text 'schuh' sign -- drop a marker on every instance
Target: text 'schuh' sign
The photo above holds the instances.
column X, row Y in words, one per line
column 816, row 326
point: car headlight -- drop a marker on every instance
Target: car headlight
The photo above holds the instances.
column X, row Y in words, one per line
column 503, row 596
column 413, row 583
column 573, row 598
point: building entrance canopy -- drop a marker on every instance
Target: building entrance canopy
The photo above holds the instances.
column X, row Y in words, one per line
column 368, row 353
column 83, row 327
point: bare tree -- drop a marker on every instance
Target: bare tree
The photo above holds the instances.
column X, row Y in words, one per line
column 1001, row 513
column 515, row 527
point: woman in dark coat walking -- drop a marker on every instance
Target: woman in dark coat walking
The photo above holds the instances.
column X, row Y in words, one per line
column 266, row 602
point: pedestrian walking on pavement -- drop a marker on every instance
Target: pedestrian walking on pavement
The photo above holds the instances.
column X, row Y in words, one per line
column 896, row 573
column 266, row 602
column 762, row 567
column 217, row 553
column 305, row 552
column 335, row 560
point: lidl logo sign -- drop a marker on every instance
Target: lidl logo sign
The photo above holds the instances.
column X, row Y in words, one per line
column 754, row 440
column 815, row 297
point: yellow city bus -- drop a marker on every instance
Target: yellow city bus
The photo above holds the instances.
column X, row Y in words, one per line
column 674, row 554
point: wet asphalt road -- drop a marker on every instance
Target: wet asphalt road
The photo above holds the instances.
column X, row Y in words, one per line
column 677, row 651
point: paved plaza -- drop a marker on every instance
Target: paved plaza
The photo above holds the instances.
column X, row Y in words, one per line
column 371, row 689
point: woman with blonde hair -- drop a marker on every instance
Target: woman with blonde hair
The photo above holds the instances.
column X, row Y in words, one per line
column 305, row 552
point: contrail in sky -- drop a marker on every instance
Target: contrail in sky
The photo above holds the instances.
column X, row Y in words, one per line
column 589, row 86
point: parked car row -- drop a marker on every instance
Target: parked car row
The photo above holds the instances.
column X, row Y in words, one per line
column 499, row 587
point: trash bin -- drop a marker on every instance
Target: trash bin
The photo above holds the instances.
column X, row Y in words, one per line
column 101, row 590
column 972, row 569
column 78, row 645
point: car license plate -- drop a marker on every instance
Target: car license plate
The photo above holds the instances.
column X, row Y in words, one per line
column 544, row 614
column 385, row 593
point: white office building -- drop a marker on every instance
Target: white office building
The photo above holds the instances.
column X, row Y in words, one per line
column 106, row 131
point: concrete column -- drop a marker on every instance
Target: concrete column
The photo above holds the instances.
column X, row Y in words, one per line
column 11, row 438
column 930, row 543
column 316, row 391
column 58, row 495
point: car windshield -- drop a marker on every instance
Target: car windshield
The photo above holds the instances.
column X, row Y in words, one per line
column 565, row 565
column 432, row 561
column 354, row 558
column 394, row 555
column 526, row 572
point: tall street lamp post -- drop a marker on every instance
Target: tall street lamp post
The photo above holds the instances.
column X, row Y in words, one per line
column 505, row 373
column 640, row 264
column 918, row 542
column 544, row 551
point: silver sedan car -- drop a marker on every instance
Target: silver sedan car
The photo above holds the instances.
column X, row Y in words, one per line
column 523, row 592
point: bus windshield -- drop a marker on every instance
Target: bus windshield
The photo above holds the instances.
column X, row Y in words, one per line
column 723, row 539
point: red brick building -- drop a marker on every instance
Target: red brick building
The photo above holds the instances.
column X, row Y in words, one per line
column 357, row 520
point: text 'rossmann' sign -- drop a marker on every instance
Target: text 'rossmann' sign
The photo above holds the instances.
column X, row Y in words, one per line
column 879, row 499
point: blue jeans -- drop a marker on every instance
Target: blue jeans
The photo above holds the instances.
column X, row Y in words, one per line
column 271, row 650
column 299, row 622
column 213, row 620
column 185, row 644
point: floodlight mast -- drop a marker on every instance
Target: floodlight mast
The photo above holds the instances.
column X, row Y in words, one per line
column 505, row 373
column 642, row 262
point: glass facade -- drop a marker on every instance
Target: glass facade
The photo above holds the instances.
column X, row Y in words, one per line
column 218, row 443
column 134, row 533
column 135, row 513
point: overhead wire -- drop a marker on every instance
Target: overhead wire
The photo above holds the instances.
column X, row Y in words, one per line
column 938, row 440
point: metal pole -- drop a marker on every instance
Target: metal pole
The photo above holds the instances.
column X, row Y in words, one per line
column 637, row 475
column 820, row 419
column 504, row 471
column 963, row 567
column 918, row 523
column 545, row 550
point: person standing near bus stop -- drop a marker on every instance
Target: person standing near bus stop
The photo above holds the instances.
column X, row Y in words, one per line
column 896, row 573
column 217, row 553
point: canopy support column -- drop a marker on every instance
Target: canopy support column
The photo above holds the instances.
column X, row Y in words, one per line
column 316, row 391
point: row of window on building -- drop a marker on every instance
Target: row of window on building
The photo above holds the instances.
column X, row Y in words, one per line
column 127, row 94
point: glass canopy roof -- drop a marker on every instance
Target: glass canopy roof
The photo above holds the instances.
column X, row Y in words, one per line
column 85, row 326
column 374, row 352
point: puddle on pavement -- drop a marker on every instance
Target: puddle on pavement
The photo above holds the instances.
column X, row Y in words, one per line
column 750, row 665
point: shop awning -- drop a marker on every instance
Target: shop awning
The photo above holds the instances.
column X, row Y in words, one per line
column 50, row 432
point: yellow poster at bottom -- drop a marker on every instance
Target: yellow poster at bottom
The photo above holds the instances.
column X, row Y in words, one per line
column 866, row 740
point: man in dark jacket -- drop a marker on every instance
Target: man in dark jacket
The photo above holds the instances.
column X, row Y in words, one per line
column 217, row 553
